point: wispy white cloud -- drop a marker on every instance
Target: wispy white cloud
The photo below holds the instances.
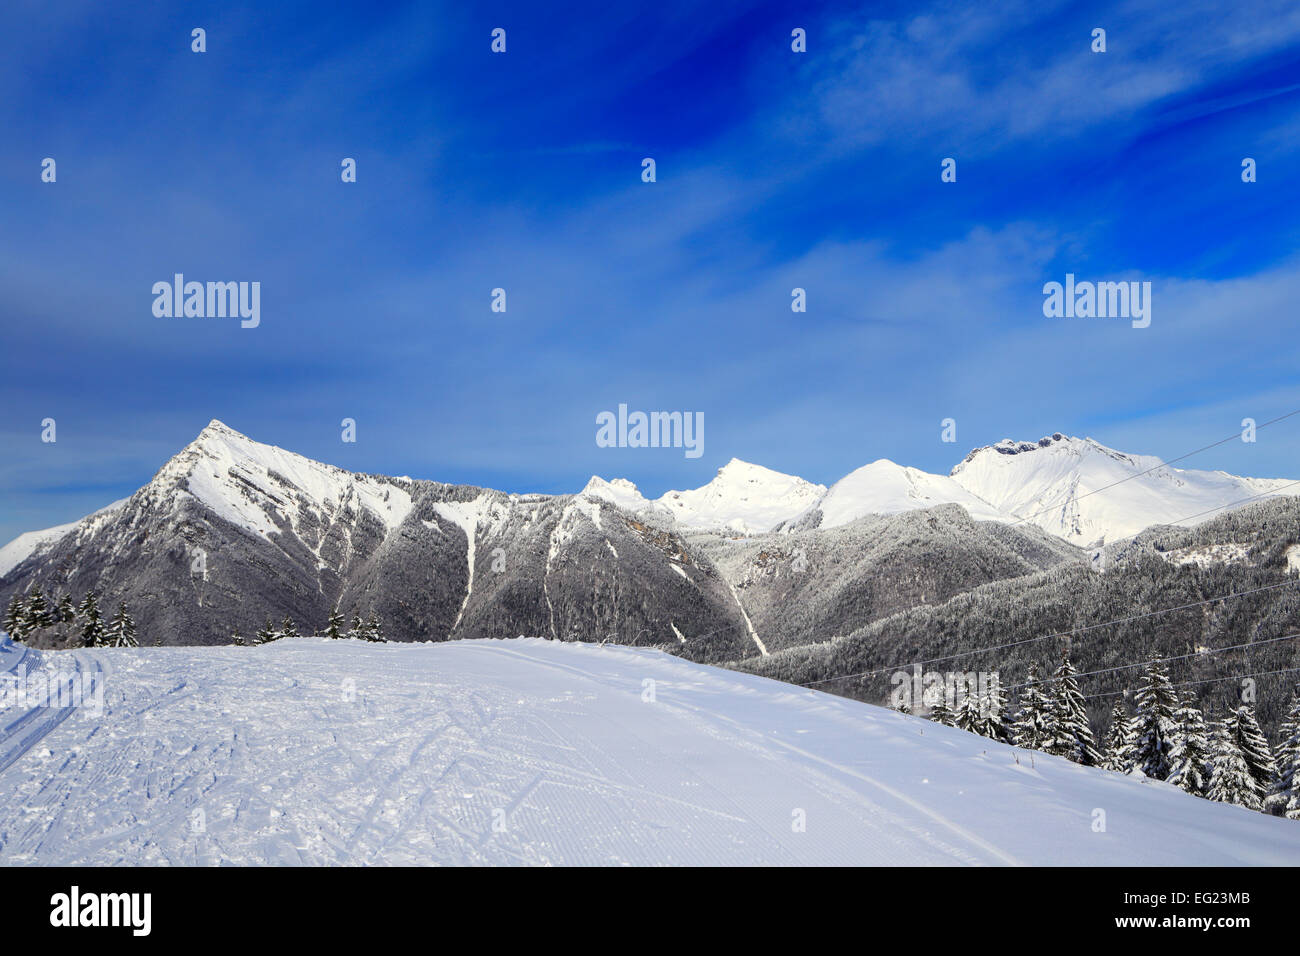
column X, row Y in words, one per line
column 980, row 77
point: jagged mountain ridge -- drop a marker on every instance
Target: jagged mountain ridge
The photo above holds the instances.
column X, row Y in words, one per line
column 231, row 531
column 1076, row 489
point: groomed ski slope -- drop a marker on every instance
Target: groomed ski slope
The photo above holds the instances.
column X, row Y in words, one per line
column 559, row 745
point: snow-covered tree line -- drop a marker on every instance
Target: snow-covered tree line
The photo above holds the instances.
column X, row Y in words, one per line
column 368, row 630
column 1166, row 737
column 1010, row 616
column 82, row 623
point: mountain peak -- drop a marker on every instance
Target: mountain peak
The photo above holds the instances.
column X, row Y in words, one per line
column 748, row 471
column 1009, row 446
column 1054, row 483
column 220, row 431
column 743, row 497
column 618, row 491
column 248, row 483
column 886, row 487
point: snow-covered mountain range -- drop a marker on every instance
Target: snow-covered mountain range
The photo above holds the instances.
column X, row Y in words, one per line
column 231, row 531
column 1074, row 488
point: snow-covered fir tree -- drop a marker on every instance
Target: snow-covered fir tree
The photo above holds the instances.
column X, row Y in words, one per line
column 1154, row 726
column 357, row 630
column 288, row 628
column 236, row 638
column 374, row 630
column 64, row 611
column 1068, row 727
column 1190, row 756
column 1284, row 796
column 994, row 713
column 92, row 624
column 940, row 712
column 266, row 634
column 1254, row 747
column 1030, row 727
column 1119, row 740
column 334, row 629
column 967, row 717
column 1230, row 779
column 15, row 618
column 121, row 629
column 1289, row 724
column 38, row 613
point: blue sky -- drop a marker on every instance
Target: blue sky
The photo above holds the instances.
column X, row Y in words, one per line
column 522, row 171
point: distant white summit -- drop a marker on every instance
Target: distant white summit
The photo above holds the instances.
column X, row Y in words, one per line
column 742, row 497
column 883, row 487
column 1085, row 492
column 1074, row 488
column 745, row 498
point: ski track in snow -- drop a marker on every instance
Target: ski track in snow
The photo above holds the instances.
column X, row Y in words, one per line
column 262, row 755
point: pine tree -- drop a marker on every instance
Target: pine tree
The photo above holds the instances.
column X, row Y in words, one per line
column 1285, row 798
column 1030, row 728
column 236, row 638
column 38, row 611
column 92, row 631
column 288, row 628
column 1230, row 778
column 267, row 634
column 1190, row 756
column 121, row 630
column 358, row 630
column 64, row 612
column 374, row 631
column 1254, row 747
column 1119, row 740
column 993, row 721
column 15, row 618
column 1287, row 727
column 334, row 629
column 940, row 712
column 967, row 717
column 1154, row 725
column 1071, row 734
column 1283, row 793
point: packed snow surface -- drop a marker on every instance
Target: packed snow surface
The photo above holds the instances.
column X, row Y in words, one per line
column 311, row 751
